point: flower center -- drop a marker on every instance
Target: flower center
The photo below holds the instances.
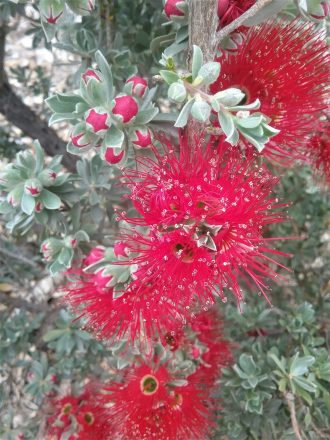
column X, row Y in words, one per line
column 89, row 418
column 67, row 408
column 184, row 253
column 149, row 385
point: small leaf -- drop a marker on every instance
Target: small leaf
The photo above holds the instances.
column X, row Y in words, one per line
column 201, row 111
column 50, row 200
column 226, row 123
column 300, row 366
column 229, row 97
column 209, row 72
column 197, row 61
column 27, row 204
column 106, row 72
column 177, row 92
column 184, row 114
column 52, row 335
column 168, row 76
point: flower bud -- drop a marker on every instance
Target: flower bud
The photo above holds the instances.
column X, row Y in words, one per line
column 120, row 249
column 125, row 108
column 38, row 206
column 142, row 138
column 101, row 280
column 47, row 177
column 325, row 5
column 91, row 75
column 14, row 197
column 81, row 7
column 70, row 241
column 171, row 8
column 33, row 187
column 81, row 138
column 96, row 120
column 51, row 10
column 222, row 7
column 95, row 255
column 49, row 248
column 111, row 157
column 139, row 85
column 195, row 352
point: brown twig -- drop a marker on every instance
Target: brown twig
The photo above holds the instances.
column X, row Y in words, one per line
column 289, row 397
column 224, row 32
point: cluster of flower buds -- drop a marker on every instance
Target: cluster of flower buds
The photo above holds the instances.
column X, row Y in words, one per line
column 58, row 253
column 235, row 117
column 31, row 190
column 109, row 123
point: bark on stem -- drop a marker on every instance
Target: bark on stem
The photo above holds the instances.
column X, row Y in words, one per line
column 294, row 422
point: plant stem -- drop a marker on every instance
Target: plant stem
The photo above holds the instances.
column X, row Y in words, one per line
column 289, row 397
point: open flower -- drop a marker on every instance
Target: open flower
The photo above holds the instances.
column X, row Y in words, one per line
column 146, row 405
column 207, row 210
column 286, row 66
column 81, row 417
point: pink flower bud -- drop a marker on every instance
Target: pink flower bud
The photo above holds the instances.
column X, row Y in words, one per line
column 142, row 138
column 139, row 85
column 53, row 378
column 110, row 156
column 47, row 177
column 90, row 74
column 222, row 7
column 101, row 280
column 51, row 19
column 326, row 9
column 80, row 140
column 95, row 255
column 126, row 108
column 38, row 207
column 20, row 436
column 73, row 242
column 120, row 249
column 171, row 8
column 195, row 352
column 33, row 187
column 97, row 121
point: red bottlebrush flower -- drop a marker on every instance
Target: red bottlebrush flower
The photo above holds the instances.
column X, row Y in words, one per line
column 139, row 85
column 319, row 152
column 147, row 406
column 207, row 210
column 81, row 416
column 113, row 158
column 125, row 108
column 208, row 330
column 171, row 8
column 97, row 120
column 142, row 138
column 229, row 10
column 286, row 66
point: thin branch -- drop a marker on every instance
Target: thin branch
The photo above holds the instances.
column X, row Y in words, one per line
column 3, row 33
column 223, row 33
column 18, row 257
column 289, row 397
